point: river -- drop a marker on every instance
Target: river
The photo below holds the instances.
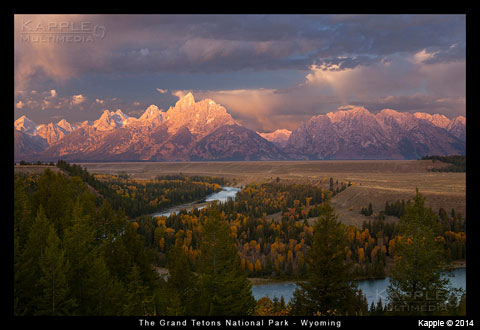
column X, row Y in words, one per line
column 373, row 289
column 221, row 196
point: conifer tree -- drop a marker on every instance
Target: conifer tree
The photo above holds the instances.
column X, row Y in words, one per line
column 329, row 288
column 55, row 195
column 225, row 289
column 416, row 286
column 181, row 284
column 379, row 308
column 22, row 220
column 27, row 268
column 79, row 243
column 104, row 295
column 56, row 297
column 139, row 299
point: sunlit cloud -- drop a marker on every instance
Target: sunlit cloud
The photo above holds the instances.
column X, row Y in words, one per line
column 45, row 105
column 77, row 99
column 19, row 105
column 423, row 56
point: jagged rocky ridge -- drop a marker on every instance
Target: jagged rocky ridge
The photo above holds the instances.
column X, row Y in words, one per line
column 205, row 130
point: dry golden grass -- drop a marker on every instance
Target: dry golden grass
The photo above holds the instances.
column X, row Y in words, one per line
column 375, row 181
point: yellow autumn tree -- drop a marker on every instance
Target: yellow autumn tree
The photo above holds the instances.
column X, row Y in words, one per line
column 258, row 266
column 361, row 255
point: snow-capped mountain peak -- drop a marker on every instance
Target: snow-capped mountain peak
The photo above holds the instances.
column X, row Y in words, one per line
column 185, row 102
column 204, row 130
column 151, row 117
column 436, row 119
column 199, row 117
column 25, row 125
column 66, row 126
column 110, row 120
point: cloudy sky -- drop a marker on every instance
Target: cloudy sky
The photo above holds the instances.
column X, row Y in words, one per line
column 269, row 71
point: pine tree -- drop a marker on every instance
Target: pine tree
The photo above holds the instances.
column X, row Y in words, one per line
column 104, row 295
column 22, row 220
column 56, row 298
column 55, row 195
column 140, row 301
column 370, row 209
column 175, row 307
column 379, row 308
column 462, row 308
column 379, row 264
column 181, row 284
column 225, row 289
column 329, row 288
column 416, row 286
column 27, row 268
column 79, row 243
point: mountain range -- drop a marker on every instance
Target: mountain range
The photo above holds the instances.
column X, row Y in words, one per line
column 204, row 130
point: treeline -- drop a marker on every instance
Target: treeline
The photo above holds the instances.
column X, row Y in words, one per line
column 194, row 178
column 295, row 201
column 450, row 220
column 458, row 163
column 22, row 162
column 148, row 196
column 138, row 197
column 396, row 209
column 449, row 228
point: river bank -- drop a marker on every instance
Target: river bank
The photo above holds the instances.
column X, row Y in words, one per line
column 269, row 280
column 188, row 206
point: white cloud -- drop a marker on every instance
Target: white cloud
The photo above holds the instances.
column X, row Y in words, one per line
column 20, row 105
column 45, row 104
column 99, row 101
column 423, row 56
column 77, row 99
column 162, row 91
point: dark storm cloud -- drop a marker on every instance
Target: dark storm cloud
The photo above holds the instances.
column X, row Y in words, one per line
column 216, row 43
column 222, row 43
